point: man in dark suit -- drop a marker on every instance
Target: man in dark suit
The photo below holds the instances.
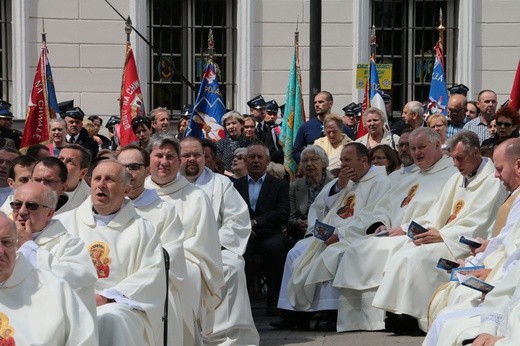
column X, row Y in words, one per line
column 268, row 200
column 76, row 134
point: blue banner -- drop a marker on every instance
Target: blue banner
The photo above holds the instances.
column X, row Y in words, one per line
column 438, row 98
column 51, row 93
column 208, row 109
column 376, row 99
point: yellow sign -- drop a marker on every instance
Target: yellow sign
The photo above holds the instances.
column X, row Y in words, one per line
column 384, row 72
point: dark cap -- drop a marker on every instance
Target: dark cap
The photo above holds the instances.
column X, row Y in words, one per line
column 352, row 108
column 257, row 102
column 75, row 113
column 112, row 121
column 271, row 106
column 459, row 89
column 386, row 97
column 5, row 112
column 187, row 110
column 65, row 106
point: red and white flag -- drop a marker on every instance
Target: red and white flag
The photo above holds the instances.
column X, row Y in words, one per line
column 36, row 128
column 131, row 101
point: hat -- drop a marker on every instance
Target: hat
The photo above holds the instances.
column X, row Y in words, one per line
column 257, row 102
column 75, row 113
column 386, row 97
column 65, row 106
column 352, row 108
column 187, row 110
column 136, row 121
column 459, row 89
column 5, row 113
column 112, row 121
column 271, row 106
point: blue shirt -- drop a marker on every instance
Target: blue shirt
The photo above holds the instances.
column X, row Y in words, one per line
column 254, row 188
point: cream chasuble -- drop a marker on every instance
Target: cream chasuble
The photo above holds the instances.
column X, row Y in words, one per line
column 462, row 209
column 39, row 308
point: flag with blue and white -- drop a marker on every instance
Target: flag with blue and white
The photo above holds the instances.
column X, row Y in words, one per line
column 438, row 98
column 376, row 97
column 208, row 109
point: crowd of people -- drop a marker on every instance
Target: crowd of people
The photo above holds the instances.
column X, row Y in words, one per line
column 166, row 240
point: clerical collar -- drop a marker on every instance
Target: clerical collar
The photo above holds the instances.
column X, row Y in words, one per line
column 36, row 235
column 204, row 178
column 467, row 179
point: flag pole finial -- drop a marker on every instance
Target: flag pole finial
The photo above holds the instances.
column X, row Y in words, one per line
column 44, row 34
column 211, row 45
column 441, row 28
column 373, row 41
column 128, row 28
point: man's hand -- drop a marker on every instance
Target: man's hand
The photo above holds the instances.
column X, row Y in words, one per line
column 481, row 274
column 100, row 300
column 332, row 239
column 396, row 231
column 486, row 339
column 430, row 237
column 345, row 174
column 482, row 247
column 25, row 230
column 303, row 224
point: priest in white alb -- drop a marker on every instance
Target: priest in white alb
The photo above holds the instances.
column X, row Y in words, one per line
column 128, row 257
column 466, row 207
column 361, row 268
column 201, row 292
column 36, row 306
column 233, row 318
column 168, row 227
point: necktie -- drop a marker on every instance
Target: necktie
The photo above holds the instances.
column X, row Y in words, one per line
column 259, row 128
column 71, row 140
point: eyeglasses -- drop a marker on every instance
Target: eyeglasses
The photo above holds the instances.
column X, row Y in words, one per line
column 455, row 111
column 134, row 166
column 44, row 181
column 8, row 242
column 502, row 124
column 17, row 205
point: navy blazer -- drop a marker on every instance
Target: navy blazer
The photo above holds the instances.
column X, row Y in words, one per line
column 272, row 208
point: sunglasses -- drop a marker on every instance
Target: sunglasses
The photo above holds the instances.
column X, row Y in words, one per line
column 506, row 125
column 17, row 205
column 134, row 166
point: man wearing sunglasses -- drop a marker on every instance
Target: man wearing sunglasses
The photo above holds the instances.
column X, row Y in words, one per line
column 167, row 224
column 46, row 314
column 46, row 243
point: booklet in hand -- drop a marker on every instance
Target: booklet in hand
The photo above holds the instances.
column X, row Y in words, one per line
column 415, row 229
column 323, row 231
column 455, row 272
column 477, row 284
column 471, row 242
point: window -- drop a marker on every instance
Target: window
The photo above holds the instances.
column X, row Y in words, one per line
column 179, row 33
column 406, row 34
column 6, row 82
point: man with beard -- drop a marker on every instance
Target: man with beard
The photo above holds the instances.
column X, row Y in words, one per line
column 233, row 318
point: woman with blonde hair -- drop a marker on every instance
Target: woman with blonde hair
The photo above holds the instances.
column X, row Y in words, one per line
column 374, row 121
column 439, row 124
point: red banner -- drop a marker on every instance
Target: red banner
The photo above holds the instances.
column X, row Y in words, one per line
column 36, row 128
column 366, row 104
column 131, row 100
column 514, row 98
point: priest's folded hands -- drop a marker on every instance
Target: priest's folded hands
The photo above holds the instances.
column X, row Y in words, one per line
column 430, row 237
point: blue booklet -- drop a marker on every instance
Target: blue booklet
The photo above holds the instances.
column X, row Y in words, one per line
column 477, row 284
column 415, row 229
column 323, row 231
